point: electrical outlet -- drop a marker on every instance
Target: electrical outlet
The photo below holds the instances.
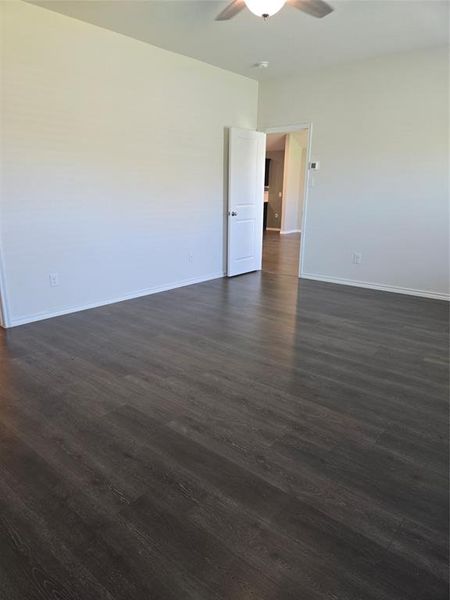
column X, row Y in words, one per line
column 54, row 279
column 356, row 258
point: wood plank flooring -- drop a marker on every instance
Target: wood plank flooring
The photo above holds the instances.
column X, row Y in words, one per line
column 258, row 438
column 281, row 253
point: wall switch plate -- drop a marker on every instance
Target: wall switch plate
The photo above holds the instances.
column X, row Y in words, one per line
column 356, row 258
column 54, row 279
column 190, row 257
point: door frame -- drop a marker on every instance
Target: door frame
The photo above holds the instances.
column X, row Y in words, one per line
column 291, row 129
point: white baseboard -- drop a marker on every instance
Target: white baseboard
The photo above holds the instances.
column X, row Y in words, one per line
column 145, row 292
column 154, row 290
column 291, row 231
column 376, row 286
column 272, row 229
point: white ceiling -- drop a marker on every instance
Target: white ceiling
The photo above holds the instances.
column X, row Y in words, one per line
column 290, row 40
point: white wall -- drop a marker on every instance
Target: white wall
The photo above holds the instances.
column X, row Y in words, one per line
column 380, row 131
column 294, row 180
column 113, row 163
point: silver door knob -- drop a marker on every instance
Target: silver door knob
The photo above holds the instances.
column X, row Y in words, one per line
column 233, row 213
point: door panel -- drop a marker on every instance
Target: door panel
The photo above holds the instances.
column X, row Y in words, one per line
column 245, row 239
column 245, row 200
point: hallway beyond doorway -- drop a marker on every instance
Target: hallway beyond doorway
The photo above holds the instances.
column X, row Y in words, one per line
column 281, row 253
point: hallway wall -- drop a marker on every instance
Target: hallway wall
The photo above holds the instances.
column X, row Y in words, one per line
column 275, row 188
column 294, row 181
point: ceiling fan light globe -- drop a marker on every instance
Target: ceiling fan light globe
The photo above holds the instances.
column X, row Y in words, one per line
column 265, row 8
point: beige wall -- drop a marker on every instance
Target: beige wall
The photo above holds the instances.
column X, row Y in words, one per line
column 113, row 163
column 380, row 131
column 294, row 180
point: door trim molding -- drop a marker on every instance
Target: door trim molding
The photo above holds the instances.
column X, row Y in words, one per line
column 288, row 128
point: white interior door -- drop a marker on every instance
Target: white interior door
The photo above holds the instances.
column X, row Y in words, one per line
column 247, row 150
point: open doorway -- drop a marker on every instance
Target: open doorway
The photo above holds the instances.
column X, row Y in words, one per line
column 276, row 231
column 285, row 186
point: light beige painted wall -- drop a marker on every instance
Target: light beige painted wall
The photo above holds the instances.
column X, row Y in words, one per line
column 294, row 180
column 380, row 131
column 113, row 163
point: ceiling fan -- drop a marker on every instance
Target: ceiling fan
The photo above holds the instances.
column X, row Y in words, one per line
column 267, row 8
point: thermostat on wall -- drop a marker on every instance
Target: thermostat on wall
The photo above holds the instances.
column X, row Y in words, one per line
column 314, row 166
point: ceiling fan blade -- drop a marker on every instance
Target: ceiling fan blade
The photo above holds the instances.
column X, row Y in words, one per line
column 315, row 8
column 231, row 10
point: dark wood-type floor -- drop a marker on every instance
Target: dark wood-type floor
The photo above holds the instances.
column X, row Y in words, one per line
column 257, row 438
column 281, row 253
